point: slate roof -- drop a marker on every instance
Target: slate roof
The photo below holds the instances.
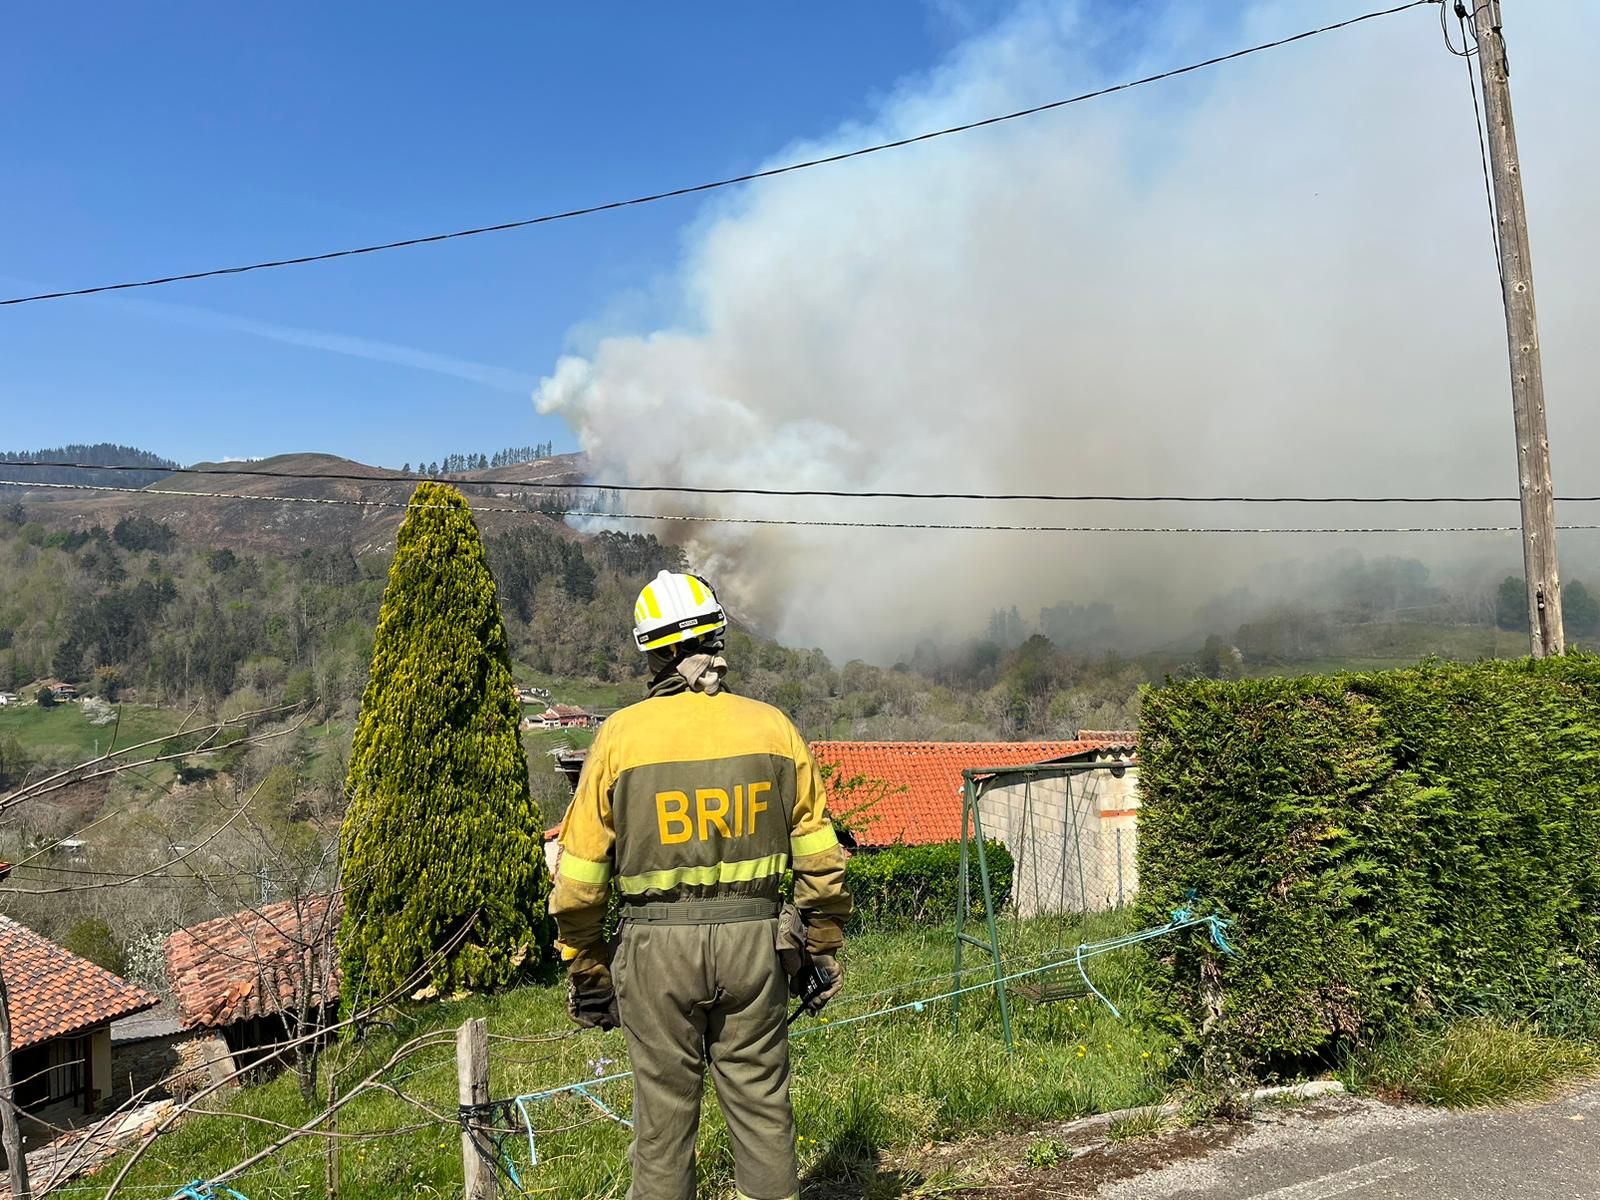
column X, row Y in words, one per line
column 916, row 786
column 54, row 993
column 250, row 964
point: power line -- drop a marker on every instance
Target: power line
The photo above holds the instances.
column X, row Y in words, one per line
column 809, row 523
column 792, row 493
column 750, row 177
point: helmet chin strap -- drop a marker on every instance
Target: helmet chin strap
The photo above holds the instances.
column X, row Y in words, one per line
column 688, row 667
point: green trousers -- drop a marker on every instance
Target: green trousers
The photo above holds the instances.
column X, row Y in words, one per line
column 683, row 990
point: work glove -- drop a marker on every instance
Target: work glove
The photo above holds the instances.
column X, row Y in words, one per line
column 591, row 997
column 828, row 966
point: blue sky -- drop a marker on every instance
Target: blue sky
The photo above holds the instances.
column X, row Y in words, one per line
column 141, row 140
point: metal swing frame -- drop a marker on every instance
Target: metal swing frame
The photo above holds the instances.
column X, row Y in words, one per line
column 974, row 782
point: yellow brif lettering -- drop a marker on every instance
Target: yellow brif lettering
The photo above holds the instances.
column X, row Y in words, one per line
column 757, row 805
column 738, row 810
column 672, row 816
column 712, row 805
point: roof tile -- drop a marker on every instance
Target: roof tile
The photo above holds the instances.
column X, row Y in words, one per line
column 54, row 993
column 251, row 964
column 913, row 789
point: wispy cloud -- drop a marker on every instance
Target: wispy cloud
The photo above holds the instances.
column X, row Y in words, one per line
column 371, row 349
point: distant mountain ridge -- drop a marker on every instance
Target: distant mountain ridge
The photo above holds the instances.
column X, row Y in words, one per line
column 99, row 454
column 266, row 504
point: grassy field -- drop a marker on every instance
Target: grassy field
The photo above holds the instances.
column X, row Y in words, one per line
column 542, row 741
column 581, row 692
column 62, row 736
column 886, row 1082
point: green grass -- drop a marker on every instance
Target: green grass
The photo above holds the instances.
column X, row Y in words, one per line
column 585, row 693
column 1470, row 1063
column 542, row 741
column 889, row 1082
column 62, row 736
column 1140, row 1123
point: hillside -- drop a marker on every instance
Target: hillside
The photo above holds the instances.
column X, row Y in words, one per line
column 257, row 514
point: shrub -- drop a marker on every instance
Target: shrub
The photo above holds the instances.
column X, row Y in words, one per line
column 1391, row 846
column 903, row 885
column 441, row 831
column 92, row 938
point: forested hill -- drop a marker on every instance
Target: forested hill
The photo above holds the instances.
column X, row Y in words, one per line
column 101, row 454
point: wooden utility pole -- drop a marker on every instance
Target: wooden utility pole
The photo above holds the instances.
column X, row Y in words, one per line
column 1522, row 333
column 472, row 1080
column 10, row 1130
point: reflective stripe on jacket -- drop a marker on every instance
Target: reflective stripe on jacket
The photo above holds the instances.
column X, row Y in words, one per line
column 689, row 796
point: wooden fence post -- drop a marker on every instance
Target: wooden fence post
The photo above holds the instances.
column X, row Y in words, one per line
column 10, row 1130
column 472, row 1079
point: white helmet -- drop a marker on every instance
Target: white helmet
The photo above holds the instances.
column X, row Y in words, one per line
column 673, row 608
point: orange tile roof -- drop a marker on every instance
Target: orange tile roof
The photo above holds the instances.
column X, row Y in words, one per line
column 250, row 964
column 54, row 993
column 913, row 789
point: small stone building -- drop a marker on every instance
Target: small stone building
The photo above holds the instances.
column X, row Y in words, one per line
column 62, row 1008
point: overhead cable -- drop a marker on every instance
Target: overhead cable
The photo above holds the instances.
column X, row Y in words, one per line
column 797, row 522
column 817, row 493
column 713, row 185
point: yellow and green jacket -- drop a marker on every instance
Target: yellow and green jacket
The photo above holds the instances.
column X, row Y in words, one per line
column 692, row 796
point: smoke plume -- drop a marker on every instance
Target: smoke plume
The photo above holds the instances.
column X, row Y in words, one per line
column 1270, row 277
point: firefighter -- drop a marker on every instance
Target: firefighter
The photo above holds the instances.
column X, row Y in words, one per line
column 693, row 804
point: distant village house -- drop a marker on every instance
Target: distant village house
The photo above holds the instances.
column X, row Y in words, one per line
column 562, row 716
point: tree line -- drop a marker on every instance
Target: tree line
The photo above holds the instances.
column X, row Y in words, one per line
column 98, row 454
column 455, row 464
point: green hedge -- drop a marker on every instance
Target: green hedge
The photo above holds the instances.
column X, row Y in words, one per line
column 903, row 885
column 1391, row 846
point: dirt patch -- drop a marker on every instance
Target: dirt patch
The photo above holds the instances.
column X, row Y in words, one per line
column 1088, row 1163
column 1087, row 1171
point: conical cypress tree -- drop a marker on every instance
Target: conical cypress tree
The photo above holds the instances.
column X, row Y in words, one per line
column 440, row 829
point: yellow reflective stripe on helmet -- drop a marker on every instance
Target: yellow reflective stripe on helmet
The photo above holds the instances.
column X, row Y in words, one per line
column 728, row 872
column 695, row 590
column 582, row 870
column 652, row 606
column 813, row 843
column 683, row 635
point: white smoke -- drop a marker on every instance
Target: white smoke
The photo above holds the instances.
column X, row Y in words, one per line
column 1274, row 276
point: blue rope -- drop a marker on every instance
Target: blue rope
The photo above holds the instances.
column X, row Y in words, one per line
column 200, row 1190
column 1104, row 999
column 601, row 1105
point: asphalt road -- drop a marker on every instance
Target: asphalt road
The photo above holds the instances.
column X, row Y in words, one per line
column 1361, row 1150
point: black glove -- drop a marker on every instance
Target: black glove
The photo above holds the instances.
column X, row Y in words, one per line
column 591, row 997
column 830, row 973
